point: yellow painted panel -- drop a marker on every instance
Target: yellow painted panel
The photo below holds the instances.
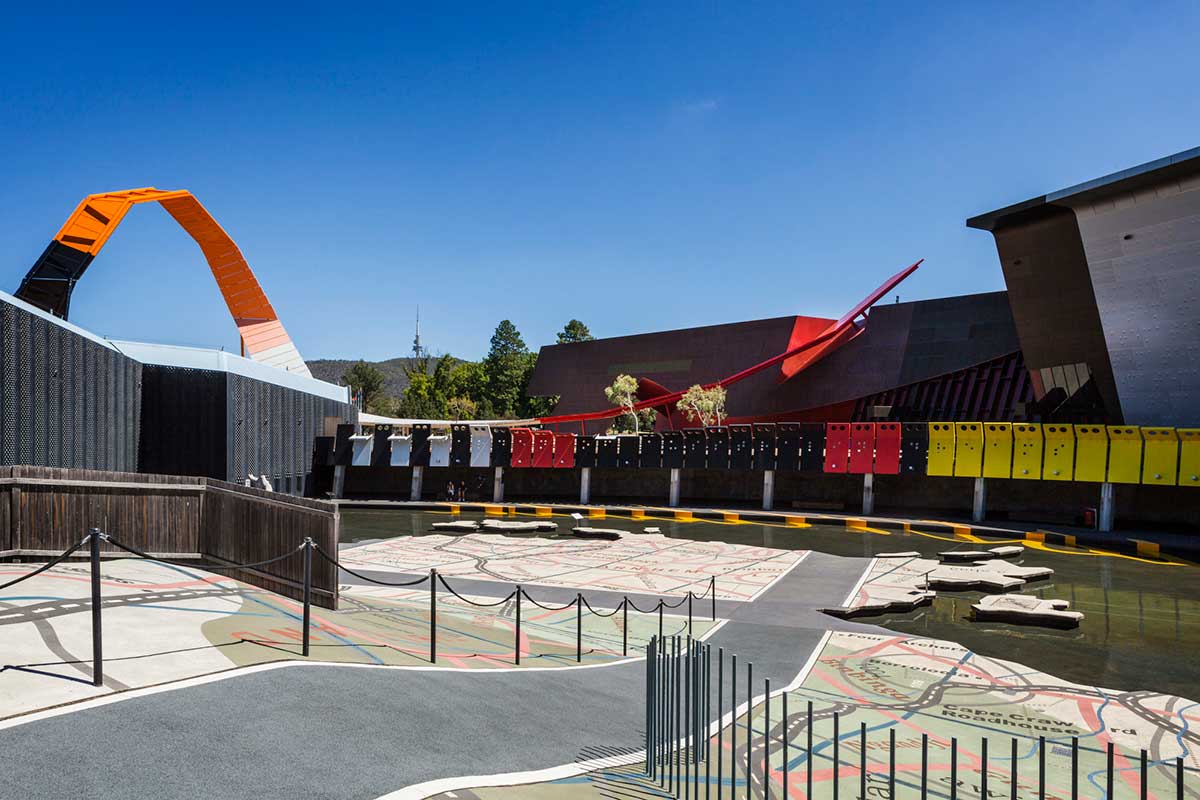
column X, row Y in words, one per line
column 1091, row 453
column 794, row 521
column 1059, row 463
column 729, row 516
column 1160, row 456
column 1027, row 451
column 968, row 449
column 541, row 511
column 1124, row 454
column 684, row 516
column 596, row 513
column 455, row 509
column 856, row 524
column 941, row 449
column 1148, row 549
column 637, row 513
column 493, row 511
column 997, row 449
column 1189, row 456
column 1035, row 536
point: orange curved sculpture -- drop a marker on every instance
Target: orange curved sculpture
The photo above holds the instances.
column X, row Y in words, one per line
column 51, row 280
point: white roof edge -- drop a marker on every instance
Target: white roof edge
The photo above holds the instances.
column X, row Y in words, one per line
column 62, row 323
column 167, row 355
column 376, row 419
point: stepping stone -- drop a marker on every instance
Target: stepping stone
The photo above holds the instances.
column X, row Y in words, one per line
column 996, row 575
column 458, row 526
column 1025, row 609
column 1007, row 551
column 966, row 555
column 651, row 530
column 515, row 526
column 596, row 533
column 884, row 599
column 904, row 554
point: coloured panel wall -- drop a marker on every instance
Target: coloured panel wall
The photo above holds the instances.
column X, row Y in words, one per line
column 542, row 455
column 837, row 446
column 564, row 450
column 1189, row 456
column 1160, row 456
column 1091, row 453
column 764, row 446
column 887, row 448
column 439, row 450
column 968, row 449
column 606, row 452
column 718, row 447
column 460, row 445
column 787, row 446
column 522, row 448
column 997, row 449
column 1027, row 451
column 585, row 450
column 481, row 446
column 741, row 447
column 627, row 451
column 360, row 449
column 420, row 446
column 812, row 447
column 862, row 448
column 1059, row 463
column 651, row 451
column 695, row 448
column 941, row 449
column 914, row 448
column 381, row 449
column 501, row 447
column 400, row 449
column 1124, row 454
column 672, row 457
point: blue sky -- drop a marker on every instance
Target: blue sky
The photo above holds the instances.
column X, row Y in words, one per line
column 640, row 167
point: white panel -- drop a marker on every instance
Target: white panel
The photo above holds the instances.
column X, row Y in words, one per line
column 362, row 450
column 439, row 451
column 481, row 446
column 401, row 450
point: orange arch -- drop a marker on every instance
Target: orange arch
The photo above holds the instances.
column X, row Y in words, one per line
column 262, row 333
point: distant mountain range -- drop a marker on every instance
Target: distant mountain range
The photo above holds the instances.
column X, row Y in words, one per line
column 332, row 369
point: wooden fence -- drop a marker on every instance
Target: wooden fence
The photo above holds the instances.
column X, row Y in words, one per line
column 45, row 510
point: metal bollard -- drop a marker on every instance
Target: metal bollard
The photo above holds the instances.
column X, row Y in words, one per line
column 625, row 626
column 433, row 616
column 517, row 635
column 983, row 768
column 862, row 759
column 578, row 627
column 749, row 728
column 892, row 762
column 308, row 546
column 97, row 625
column 837, row 764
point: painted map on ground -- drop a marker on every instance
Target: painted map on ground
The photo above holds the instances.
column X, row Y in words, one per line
column 164, row 623
column 904, row 687
column 642, row 563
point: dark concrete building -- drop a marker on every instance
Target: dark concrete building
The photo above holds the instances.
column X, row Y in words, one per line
column 1099, row 324
column 1104, row 282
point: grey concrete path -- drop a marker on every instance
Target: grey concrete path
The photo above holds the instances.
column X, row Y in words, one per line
column 341, row 732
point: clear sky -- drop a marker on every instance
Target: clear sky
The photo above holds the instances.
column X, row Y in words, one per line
column 638, row 166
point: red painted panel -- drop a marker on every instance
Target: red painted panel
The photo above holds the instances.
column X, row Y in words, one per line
column 887, row 448
column 837, row 446
column 564, row 449
column 522, row 447
column 543, row 449
column 862, row 448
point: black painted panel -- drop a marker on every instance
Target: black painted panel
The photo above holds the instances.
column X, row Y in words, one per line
column 764, row 446
column 695, row 448
column 651, row 454
column 419, row 457
column 585, row 450
column 787, row 446
column 914, row 448
column 501, row 447
column 672, row 456
column 812, row 447
column 741, row 448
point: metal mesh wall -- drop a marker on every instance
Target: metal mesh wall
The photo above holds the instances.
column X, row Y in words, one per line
column 65, row 400
column 273, row 428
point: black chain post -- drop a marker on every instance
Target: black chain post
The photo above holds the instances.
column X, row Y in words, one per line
column 433, row 616
column 836, row 761
column 97, row 627
column 1145, row 777
column 517, row 643
column 1013, row 777
column 787, row 732
column 809, row 760
column 891, row 762
column 712, row 587
column 308, row 546
column 689, row 613
column 767, row 739
column 749, row 728
column 953, row 768
column 660, row 616
column 1042, row 768
column 625, row 626
column 983, row 769
column 720, row 718
column 924, row 765
column 578, row 628
column 1108, row 778
column 1074, row 768
column 862, row 759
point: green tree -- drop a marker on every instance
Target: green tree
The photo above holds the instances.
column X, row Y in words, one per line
column 461, row 408
column 367, row 381
column 623, row 393
column 505, row 370
column 419, row 400
column 706, row 406
column 574, row 331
